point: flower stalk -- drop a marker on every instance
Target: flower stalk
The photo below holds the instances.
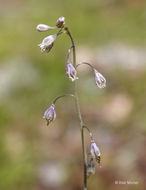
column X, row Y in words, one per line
column 50, row 113
column 62, row 97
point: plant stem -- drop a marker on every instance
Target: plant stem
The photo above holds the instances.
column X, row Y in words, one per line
column 79, row 113
column 85, row 64
column 62, row 97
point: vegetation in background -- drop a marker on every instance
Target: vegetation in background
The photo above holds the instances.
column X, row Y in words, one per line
column 26, row 145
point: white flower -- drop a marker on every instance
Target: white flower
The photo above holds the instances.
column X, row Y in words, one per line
column 99, row 79
column 42, row 27
column 47, row 43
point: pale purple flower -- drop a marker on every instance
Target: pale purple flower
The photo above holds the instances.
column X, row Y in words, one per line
column 43, row 27
column 71, row 71
column 50, row 114
column 91, row 167
column 60, row 22
column 99, row 79
column 94, row 151
column 47, row 43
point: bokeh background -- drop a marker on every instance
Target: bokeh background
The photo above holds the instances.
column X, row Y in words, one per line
column 111, row 35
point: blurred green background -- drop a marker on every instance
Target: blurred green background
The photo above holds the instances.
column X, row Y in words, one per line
column 111, row 35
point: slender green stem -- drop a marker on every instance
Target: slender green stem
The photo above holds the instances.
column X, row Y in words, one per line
column 84, row 63
column 69, row 53
column 79, row 113
column 91, row 136
column 62, row 97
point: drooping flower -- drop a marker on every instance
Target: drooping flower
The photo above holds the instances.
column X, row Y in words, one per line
column 71, row 71
column 99, row 79
column 43, row 27
column 94, row 151
column 60, row 22
column 50, row 114
column 91, row 167
column 47, row 43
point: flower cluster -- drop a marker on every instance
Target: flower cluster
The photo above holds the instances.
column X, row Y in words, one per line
column 48, row 41
column 71, row 72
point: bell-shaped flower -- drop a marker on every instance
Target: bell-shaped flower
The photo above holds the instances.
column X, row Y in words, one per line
column 60, row 22
column 99, row 79
column 94, row 151
column 43, row 27
column 47, row 43
column 91, row 167
column 50, row 114
column 71, row 71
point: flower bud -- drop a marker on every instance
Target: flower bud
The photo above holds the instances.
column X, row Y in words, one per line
column 99, row 79
column 60, row 22
column 91, row 167
column 94, row 151
column 43, row 27
column 50, row 114
column 47, row 43
column 71, row 71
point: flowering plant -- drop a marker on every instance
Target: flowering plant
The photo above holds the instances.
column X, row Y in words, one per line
column 71, row 72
